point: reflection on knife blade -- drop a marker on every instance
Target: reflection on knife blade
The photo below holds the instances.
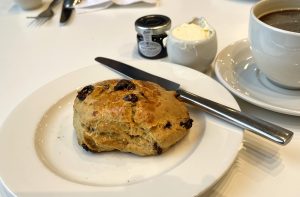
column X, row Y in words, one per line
column 258, row 126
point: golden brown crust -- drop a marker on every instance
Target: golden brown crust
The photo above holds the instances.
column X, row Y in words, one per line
column 131, row 116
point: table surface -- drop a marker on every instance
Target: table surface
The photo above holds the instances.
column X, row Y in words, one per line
column 32, row 56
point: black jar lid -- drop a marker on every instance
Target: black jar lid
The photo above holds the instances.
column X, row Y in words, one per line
column 157, row 24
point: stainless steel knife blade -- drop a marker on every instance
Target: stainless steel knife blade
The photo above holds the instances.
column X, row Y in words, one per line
column 258, row 126
column 67, row 9
column 137, row 74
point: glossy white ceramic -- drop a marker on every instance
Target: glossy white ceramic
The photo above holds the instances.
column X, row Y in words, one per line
column 29, row 4
column 236, row 69
column 276, row 51
column 45, row 160
column 197, row 54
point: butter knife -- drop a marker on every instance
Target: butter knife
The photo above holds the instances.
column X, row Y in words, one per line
column 258, row 126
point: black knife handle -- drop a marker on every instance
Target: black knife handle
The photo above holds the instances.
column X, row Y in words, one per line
column 258, row 126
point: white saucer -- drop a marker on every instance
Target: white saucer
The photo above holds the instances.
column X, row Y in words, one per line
column 236, row 70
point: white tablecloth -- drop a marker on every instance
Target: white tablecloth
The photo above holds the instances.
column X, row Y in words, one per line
column 30, row 57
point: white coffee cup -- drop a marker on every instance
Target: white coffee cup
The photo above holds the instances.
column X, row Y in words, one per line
column 29, row 4
column 275, row 51
column 197, row 54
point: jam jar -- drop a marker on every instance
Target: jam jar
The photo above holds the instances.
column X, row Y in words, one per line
column 151, row 32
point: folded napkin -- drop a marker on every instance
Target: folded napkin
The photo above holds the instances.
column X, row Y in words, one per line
column 93, row 5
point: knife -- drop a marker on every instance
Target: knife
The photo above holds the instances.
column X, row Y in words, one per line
column 258, row 126
column 67, row 9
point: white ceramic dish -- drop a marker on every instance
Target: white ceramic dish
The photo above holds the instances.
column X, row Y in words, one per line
column 196, row 54
column 40, row 155
column 29, row 4
column 236, row 70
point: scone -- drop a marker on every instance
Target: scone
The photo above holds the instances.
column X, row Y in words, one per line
column 133, row 116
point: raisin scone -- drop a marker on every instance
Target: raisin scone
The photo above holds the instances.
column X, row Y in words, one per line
column 130, row 116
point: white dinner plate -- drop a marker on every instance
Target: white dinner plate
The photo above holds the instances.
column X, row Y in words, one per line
column 40, row 155
column 236, row 70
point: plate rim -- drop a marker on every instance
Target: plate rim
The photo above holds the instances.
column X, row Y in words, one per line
column 78, row 70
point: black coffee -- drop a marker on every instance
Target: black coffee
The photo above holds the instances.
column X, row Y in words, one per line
column 284, row 19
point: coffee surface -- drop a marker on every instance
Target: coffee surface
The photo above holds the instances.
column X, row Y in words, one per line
column 284, row 19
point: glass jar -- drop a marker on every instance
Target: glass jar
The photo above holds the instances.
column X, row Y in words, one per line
column 151, row 32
